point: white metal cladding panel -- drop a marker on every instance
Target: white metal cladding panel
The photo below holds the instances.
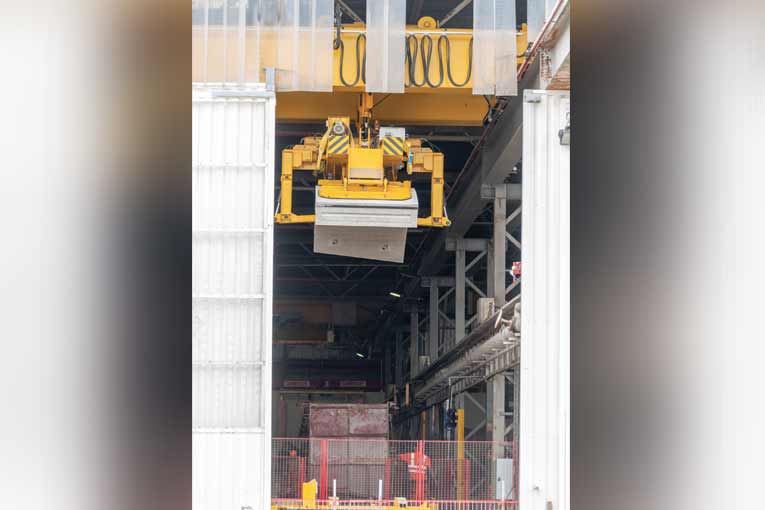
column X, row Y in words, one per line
column 222, row 198
column 544, row 401
column 228, row 265
column 305, row 45
column 386, row 21
column 535, row 10
column 484, row 41
column 227, row 396
column 494, row 47
column 233, row 41
column 227, row 330
column 226, row 479
column 232, row 167
column 506, row 67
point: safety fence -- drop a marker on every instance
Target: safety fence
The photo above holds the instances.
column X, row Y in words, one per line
column 447, row 474
column 332, row 504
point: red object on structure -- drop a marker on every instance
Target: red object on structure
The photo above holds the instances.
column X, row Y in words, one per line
column 417, row 464
column 516, row 269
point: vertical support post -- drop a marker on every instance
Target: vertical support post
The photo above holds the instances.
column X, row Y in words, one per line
column 419, row 460
column 388, row 362
column 495, row 422
column 387, row 478
column 433, row 320
column 282, row 416
column 495, row 409
column 399, row 370
column 286, row 184
column 490, row 269
column 437, row 189
column 500, row 243
column 516, row 426
column 460, row 453
column 459, row 292
column 323, row 477
column 414, row 343
column 545, row 320
column 301, row 472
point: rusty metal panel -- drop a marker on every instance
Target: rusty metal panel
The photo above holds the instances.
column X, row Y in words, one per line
column 328, row 421
column 349, row 420
column 368, row 421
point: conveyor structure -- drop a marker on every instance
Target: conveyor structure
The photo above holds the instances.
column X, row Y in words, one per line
column 493, row 347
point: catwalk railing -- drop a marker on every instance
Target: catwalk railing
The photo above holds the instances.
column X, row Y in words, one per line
column 469, row 475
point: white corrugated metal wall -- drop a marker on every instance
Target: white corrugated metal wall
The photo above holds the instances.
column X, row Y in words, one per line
column 544, row 400
column 233, row 174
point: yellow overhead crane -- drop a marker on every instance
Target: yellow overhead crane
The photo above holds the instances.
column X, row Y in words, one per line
column 367, row 166
column 364, row 204
column 446, row 49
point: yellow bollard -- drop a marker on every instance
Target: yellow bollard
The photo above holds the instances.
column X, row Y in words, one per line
column 309, row 491
column 460, row 453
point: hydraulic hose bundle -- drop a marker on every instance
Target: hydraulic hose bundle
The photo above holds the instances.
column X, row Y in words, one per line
column 416, row 49
column 425, row 45
column 361, row 61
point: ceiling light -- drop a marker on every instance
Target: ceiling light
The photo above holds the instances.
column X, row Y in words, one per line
column 359, row 355
column 395, row 294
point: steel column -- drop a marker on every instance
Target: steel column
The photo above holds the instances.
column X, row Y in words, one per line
column 399, row 369
column 459, row 301
column 490, row 270
column 495, row 416
column 433, row 325
column 500, row 244
column 516, row 414
column 414, row 341
column 495, row 408
column 388, row 362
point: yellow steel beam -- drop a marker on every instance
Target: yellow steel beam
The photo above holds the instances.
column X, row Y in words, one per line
column 405, row 109
column 230, row 58
column 285, row 214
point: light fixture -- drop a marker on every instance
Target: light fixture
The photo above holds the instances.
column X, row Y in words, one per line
column 395, row 294
column 359, row 355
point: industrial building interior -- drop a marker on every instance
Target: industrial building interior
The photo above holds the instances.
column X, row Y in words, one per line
column 343, row 326
column 398, row 238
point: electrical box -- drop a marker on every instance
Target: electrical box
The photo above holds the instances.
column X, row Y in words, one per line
column 485, row 308
column 504, row 485
column 396, row 132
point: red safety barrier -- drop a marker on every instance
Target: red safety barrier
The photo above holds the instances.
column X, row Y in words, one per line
column 361, row 504
column 374, row 469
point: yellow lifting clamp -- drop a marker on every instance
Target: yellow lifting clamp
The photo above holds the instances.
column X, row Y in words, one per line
column 362, row 185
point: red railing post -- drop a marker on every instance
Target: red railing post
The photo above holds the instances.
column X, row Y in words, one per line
column 387, row 477
column 516, row 463
column 301, row 475
column 420, row 476
column 323, row 467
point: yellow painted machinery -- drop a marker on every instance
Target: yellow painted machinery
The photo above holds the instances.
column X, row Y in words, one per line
column 365, row 201
column 364, row 198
